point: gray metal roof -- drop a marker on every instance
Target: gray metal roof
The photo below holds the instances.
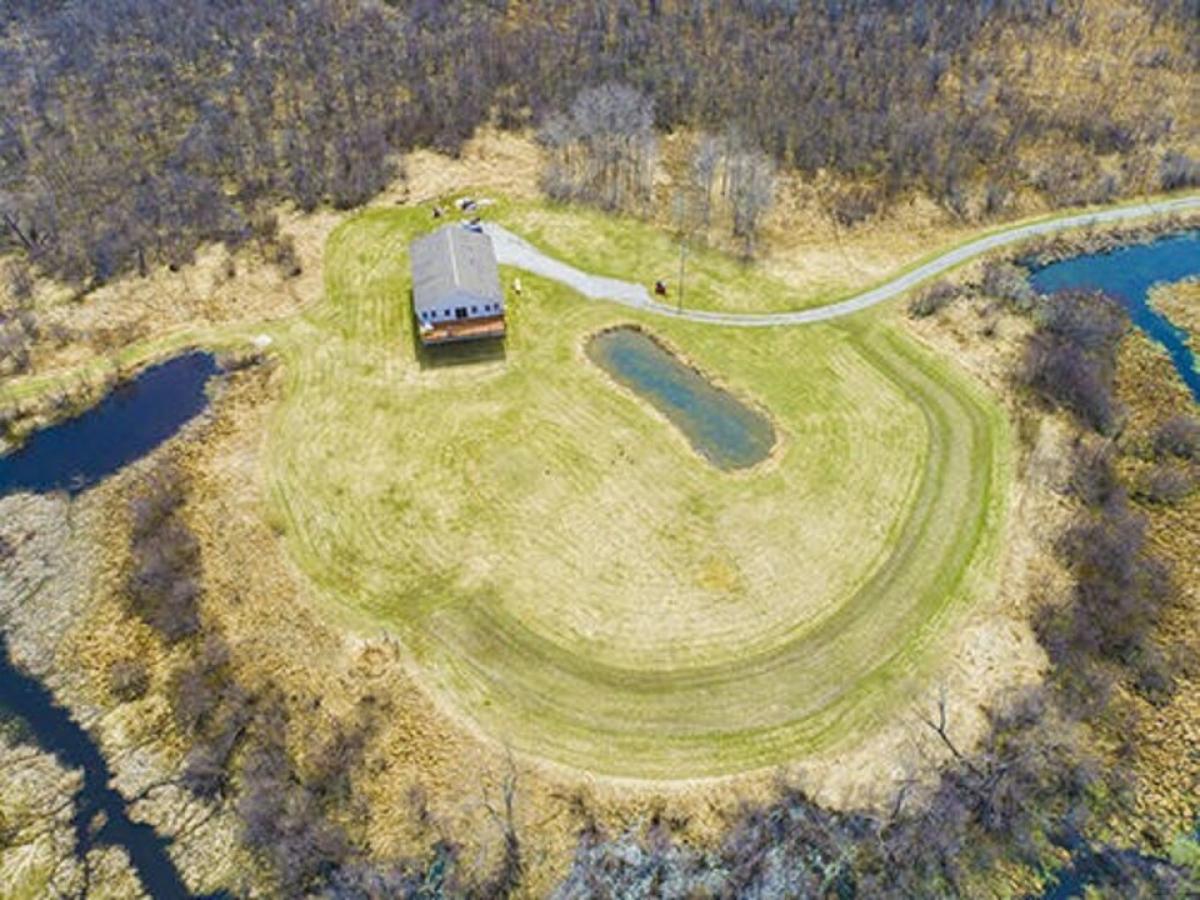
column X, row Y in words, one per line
column 452, row 264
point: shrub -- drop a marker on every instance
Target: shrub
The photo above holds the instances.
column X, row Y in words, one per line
column 128, row 679
column 163, row 588
column 1120, row 592
column 1092, row 322
column 1093, row 480
column 285, row 257
column 854, row 205
column 198, row 689
column 1065, row 376
column 1178, row 170
column 283, row 820
column 16, row 336
column 1165, row 484
column 932, row 299
column 1178, row 436
column 1010, row 283
column 1070, row 358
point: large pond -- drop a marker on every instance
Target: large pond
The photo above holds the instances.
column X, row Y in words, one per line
column 1127, row 274
column 125, row 426
column 721, row 428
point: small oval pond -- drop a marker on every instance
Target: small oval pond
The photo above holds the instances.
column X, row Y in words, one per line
column 1127, row 274
column 123, row 427
column 721, row 428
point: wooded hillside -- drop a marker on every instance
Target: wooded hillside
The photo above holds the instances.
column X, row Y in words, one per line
column 135, row 129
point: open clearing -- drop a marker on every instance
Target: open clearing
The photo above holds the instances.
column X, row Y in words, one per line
column 570, row 575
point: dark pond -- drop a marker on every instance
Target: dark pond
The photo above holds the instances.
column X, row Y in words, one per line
column 123, row 427
column 723, row 430
column 74, row 455
column 1128, row 274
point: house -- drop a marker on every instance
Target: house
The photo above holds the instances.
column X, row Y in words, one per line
column 456, row 286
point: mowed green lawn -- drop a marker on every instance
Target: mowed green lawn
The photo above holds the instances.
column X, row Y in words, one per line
column 569, row 574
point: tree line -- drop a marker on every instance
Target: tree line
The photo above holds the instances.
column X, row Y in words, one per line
column 134, row 130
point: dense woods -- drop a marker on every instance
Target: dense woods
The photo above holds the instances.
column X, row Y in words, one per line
column 134, row 130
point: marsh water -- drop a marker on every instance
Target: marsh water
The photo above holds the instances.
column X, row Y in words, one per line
column 129, row 423
column 721, row 428
column 101, row 813
column 123, row 427
column 1127, row 274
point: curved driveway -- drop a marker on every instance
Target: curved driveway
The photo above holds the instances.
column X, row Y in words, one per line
column 515, row 251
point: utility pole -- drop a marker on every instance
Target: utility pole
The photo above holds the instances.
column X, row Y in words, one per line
column 681, row 221
column 682, row 266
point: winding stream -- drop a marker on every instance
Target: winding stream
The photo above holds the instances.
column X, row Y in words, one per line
column 1128, row 274
column 122, row 428
column 130, row 422
column 101, row 814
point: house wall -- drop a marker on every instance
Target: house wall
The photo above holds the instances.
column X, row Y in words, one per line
column 477, row 308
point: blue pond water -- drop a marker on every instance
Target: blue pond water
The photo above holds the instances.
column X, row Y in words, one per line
column 723, row 430
column 125, row 426
column 74, row 455
column 1127, row 274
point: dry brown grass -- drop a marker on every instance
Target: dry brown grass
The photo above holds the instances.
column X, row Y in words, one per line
column 37, row 853
column 281, row 633
column 496, row 161
column 1165, row 763
column 1181, row 304
column 202, row 295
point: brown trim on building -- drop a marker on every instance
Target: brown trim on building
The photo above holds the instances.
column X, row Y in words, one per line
column 463, row 330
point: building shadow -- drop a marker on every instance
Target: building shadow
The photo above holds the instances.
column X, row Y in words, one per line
column 454, row 353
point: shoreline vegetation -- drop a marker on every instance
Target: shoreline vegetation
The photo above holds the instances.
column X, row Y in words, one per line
column 1180, row 303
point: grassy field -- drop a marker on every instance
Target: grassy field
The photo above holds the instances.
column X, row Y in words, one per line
column 565, row 569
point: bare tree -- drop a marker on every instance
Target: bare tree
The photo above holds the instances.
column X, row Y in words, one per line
column 603, row 151
column 750, row 190
column 705, row 161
